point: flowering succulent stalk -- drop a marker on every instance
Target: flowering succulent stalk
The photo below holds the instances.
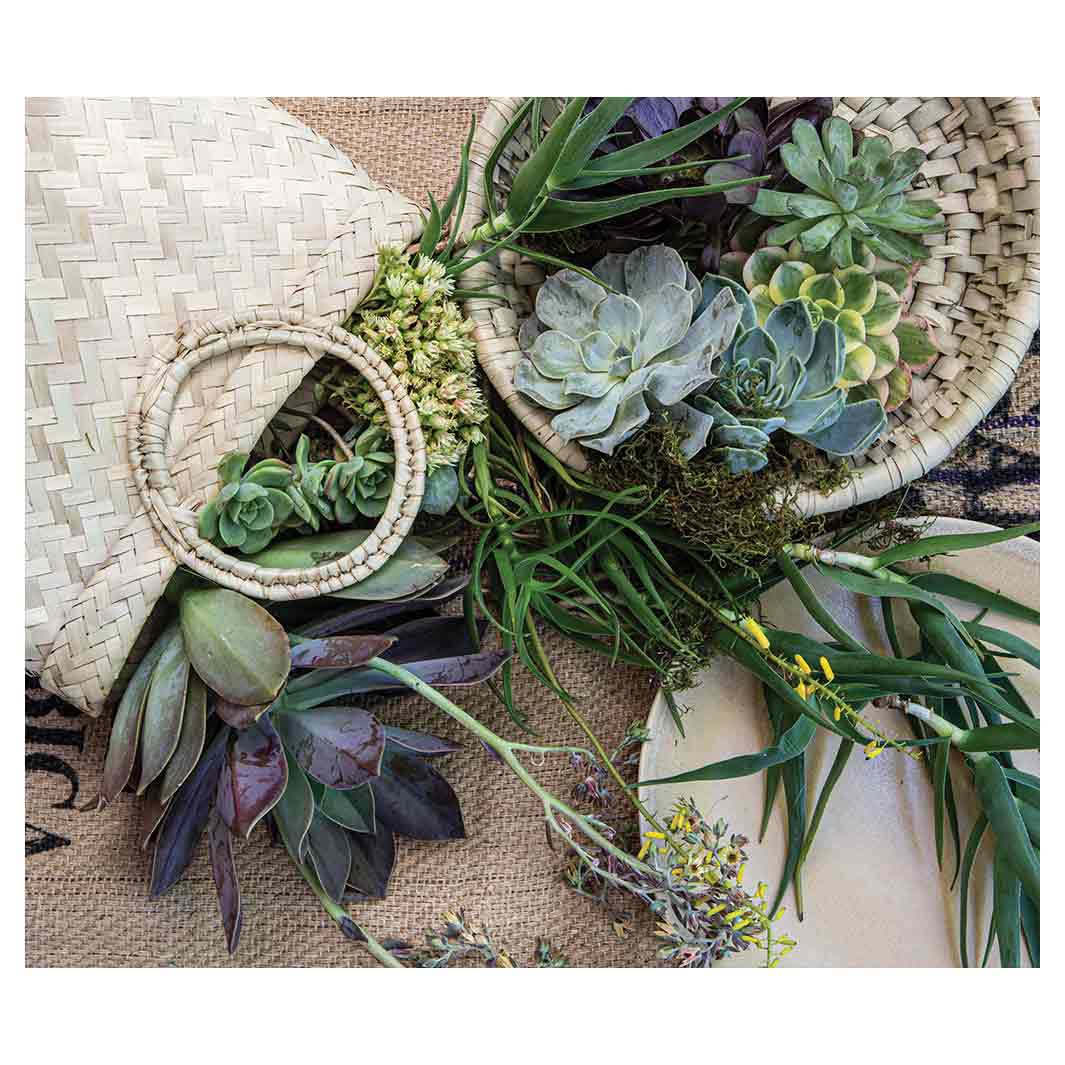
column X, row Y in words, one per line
column 410, row 321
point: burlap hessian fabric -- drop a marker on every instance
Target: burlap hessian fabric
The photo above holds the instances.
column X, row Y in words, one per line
column 87, row 879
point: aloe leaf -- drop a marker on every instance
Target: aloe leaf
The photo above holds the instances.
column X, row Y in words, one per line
column 593, row 179
column 813, row 605
column 164, row 709
column 532, row 176
column 588, row 134
column 433, row 227
column 294, row 809
column 220, row 845
column 839, row 763
column 253, row 777
column 769, row 796
column 492, row 161
column 972, row 845
column 930, row 546
column 340, row 746
column 556, row 216
column 238, row 649
column 330, row 854
column 997, row 738
column 372, row 859
column 793, row 775
column 125, row 731
column 190, row 743
column 1005, row 641
column 792, row 743
column 1030, row 927
column 352, row 809
column 1007, row 909
column 1000, row 806
column 414, row 800
column 420, row 742
column 652, row 151
column 940, row 773
column 1027, row 786
column 186, row 818
column 339, row 652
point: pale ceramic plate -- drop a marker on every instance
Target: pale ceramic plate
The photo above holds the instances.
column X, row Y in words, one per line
column 873, row 894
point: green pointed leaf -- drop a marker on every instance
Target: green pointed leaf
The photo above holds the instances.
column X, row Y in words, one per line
column 164, row 709
column 589, row 133
column 929, row 546
column 531, row 179
column 294, row 810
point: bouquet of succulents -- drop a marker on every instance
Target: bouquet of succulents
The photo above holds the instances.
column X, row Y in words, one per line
column 726, row 316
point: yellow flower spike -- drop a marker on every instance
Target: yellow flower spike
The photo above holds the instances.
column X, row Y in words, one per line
column 786, row 950
column 801, row 689
column 739, row 874
column 779, row 913
column 741, row 924
column 827, row 670
column 655, row 835
column 839, row 712
column 751, row 939
column 715, row 909
column 643, row 851
column 733, row 913
column 803, row 664
column 748, row 624
column 760, row 893
column 675, row 823
column 872, row 749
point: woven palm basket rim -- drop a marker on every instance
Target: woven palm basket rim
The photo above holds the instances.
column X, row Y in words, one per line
column 979, row 288
column 177, row 525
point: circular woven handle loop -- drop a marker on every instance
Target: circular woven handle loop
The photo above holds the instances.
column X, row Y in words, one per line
column 174, row 519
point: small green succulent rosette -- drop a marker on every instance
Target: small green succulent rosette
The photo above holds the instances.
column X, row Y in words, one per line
column 363, row 483
column 603, row 354
column 868, row 301
column 251, row 507
column 851, row 199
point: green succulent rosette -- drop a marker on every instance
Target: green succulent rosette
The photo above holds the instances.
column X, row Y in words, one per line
column 851, row 199
column 363, row 483
column 603, row 354
column 251, row 507
column 868, row 301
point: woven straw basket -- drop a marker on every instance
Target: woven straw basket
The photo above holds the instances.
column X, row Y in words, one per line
column 188, row 262
column 979, row 288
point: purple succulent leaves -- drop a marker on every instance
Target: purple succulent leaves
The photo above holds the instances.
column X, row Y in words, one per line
column 414, row 800
column 339, row 746
column 224, row 871
column 372, row 859
column 253, row 777
column 338, row 652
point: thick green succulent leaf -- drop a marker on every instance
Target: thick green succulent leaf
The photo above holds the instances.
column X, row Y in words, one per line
column 549, row 394
column 838, row 138
column 352, row 809
column 761, row 265
column 530, row 182
column 224, row 871
column 125, row 731
column 916, row 346
column 295, row 809
column 791, row 330
column 339, row 746
column 190, row 743
column 410, row 570
column 237, row 648
column 231, row 466
column 253, row 778
column 186, row 818
column 711, row 287
column 819, row 236
column 441, row 490
column 857, row 426
column 554, row 355
column 164, row 709
column 588, row 134
column 787, row 280
column 1011, row 835
column 826, row 361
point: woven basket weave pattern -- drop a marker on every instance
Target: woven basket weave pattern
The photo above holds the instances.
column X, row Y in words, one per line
column 141, row 215
column 979, row 288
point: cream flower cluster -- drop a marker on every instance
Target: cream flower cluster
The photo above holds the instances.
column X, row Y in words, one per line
column 411, row 322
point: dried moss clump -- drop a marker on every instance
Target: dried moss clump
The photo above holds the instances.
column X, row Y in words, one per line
column 738, row 520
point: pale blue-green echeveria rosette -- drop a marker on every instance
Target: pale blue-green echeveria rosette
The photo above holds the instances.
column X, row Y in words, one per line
column 251, row 507
column 604, row 359
column 783, row 376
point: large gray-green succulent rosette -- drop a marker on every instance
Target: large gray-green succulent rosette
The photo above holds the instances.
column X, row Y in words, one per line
column 605, row 355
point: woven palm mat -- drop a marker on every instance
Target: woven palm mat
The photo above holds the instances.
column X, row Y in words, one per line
column 86, row 878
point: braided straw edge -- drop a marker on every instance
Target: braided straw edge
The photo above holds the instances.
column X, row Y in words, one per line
column 984, row 385
column 177, row 524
